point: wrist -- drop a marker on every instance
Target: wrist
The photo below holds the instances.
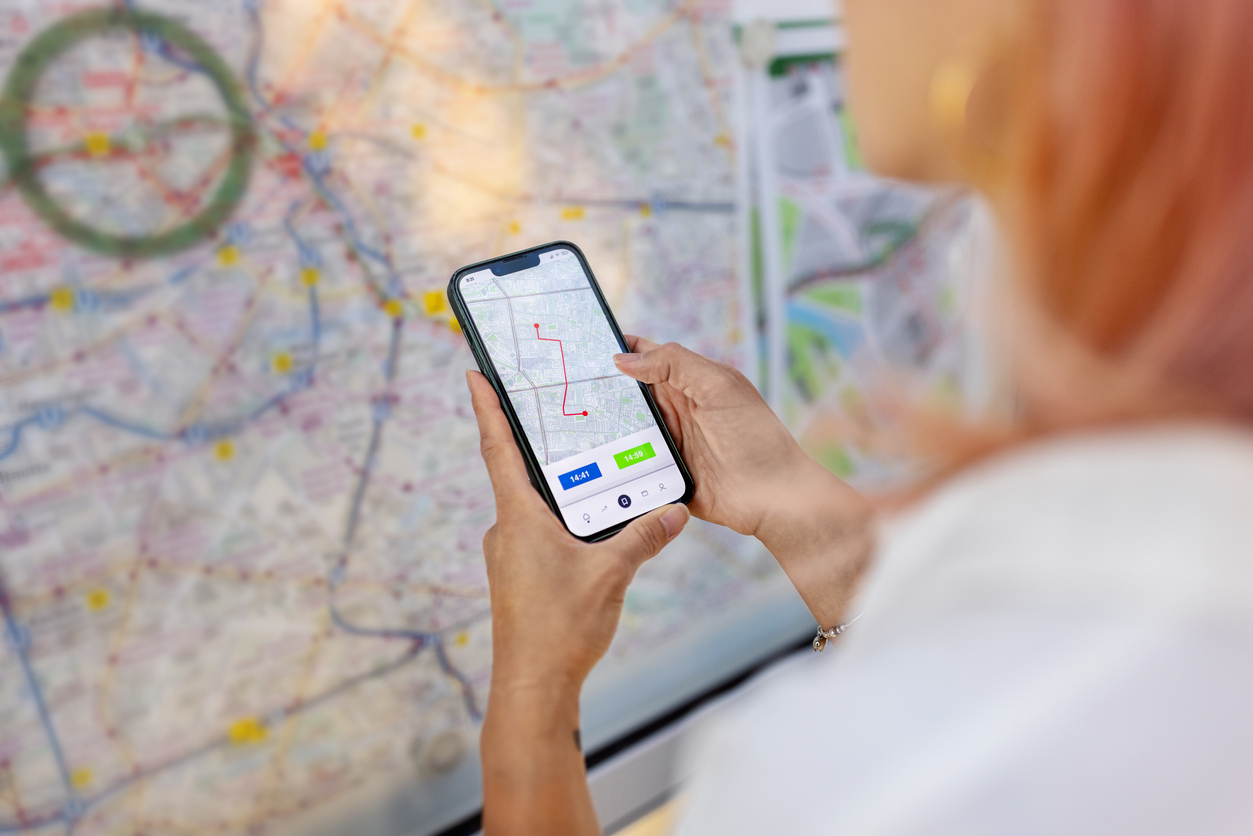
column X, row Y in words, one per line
column 822, row 533
column 531, row 752
column 535, row 665
column 532, row 686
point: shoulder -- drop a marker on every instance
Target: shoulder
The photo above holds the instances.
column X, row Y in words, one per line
column 1155, row 522
column 1075, row 618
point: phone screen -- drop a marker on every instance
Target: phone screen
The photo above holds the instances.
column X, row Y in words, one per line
column 598, row 445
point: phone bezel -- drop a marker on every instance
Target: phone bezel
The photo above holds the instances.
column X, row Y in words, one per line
column 475, row 341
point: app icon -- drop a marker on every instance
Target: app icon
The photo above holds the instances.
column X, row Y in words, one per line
column 624, row 501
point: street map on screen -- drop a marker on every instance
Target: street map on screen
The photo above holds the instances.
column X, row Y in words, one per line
column 598, row 444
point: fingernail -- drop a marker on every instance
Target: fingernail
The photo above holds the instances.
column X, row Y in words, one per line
column 674, row 519
column 624, row 359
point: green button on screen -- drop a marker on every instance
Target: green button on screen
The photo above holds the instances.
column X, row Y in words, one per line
column 634, row 456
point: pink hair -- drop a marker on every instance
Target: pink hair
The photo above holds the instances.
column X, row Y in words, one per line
column 1128, row 192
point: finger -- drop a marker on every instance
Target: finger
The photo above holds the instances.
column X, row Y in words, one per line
column 504, row 461
column 651, row 533
column 670, row 363
column 640, row 344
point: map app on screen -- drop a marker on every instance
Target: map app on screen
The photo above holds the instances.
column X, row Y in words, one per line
column 599, row 447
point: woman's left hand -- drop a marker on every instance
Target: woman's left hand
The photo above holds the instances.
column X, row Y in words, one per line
column 555, row 602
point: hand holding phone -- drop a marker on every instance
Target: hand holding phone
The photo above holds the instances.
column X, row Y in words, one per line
column 593, row 439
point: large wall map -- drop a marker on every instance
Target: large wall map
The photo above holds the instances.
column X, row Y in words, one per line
column 240, row 500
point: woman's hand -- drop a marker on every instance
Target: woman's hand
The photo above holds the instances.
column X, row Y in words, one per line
column 753, row 477
column 555, row 602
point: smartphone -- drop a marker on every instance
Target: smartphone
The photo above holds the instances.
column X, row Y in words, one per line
column 594, row 442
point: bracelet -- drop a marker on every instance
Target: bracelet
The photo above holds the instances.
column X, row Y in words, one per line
column 820, row 640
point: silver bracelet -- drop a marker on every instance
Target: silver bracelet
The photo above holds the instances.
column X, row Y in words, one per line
column 820, row 641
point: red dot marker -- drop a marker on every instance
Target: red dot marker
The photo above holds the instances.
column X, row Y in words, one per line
column 585, row 413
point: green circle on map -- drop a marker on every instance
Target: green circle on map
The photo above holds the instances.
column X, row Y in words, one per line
column 19, row 91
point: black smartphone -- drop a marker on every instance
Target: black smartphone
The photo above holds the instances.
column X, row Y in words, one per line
column 594, row 442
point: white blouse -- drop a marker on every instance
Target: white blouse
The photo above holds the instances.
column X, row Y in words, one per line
column 1059, row 641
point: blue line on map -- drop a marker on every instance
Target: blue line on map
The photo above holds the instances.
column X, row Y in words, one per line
column 20, row 638
column 434, row 639
column 154, row 44
column 72, row 812
column 354, row 513
column 110, row 420
column 183, row 275
column 376, row 633
column 28, row 302
column 467, row 693
column 315, row 328
column 54, row 416
column 393, row 353
column 312, row 164
column 85, row 300
column 251, row 73
column 309, row 256
column 350, row 224
column 15, row 437
column 196, row 434
column 354, row 517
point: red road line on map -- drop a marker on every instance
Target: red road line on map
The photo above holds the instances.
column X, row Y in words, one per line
column 563, row 373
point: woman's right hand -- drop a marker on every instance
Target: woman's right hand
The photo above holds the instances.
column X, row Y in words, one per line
column 753, row 477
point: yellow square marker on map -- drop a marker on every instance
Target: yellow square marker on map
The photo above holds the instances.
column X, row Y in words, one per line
column 98, row 144
column 97, row 599
column 81, row 779
column 723, row 140
column 224, row 450
column 646, row 210
column 282, row 362
column 435, row 302
column 62, row 299
column 317, row 141
column 228, row 256
column 248, row 730
column 419, row 131
column 463, row 638
column 310, row 276
column 573, row 213
column 394, row 308
column 514, row 227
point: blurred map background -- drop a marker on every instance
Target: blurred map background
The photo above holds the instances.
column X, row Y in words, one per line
column 864, row 285
column 241, row 503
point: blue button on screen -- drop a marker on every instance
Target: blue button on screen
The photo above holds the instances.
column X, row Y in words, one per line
column 577, row 477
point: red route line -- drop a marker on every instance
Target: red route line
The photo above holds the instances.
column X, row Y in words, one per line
column 563, row 373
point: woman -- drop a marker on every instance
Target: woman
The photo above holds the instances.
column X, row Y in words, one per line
column 1059, row 632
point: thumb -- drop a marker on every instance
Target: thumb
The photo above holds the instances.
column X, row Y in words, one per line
column 651, row 533
column 671, row 363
